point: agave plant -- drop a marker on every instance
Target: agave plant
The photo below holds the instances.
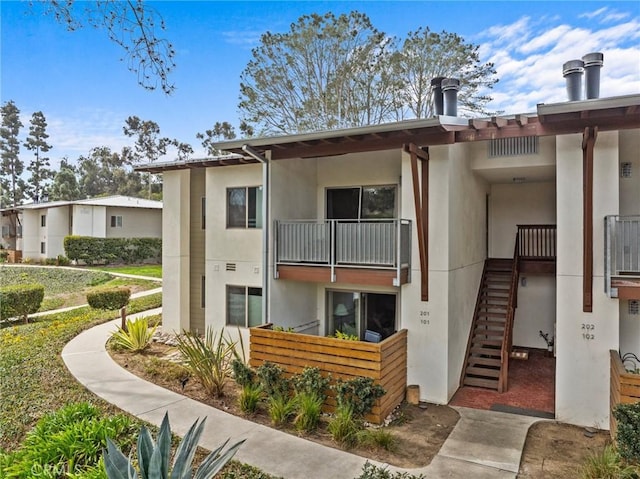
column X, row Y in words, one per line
column 153, row 457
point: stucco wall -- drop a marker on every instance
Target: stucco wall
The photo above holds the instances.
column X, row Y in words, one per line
column 630, row 187
column 175, row 251
column 196, row 250
column 582, row 355
column 229, row 248
column 57, row 229
column 136, row 223
column 509, row 206
column 31, row 234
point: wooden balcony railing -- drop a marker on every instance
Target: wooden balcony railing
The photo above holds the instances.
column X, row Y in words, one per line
column 536, row 242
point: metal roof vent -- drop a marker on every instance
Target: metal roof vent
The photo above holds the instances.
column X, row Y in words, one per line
column 592, row 65
column 500, row 147
column 625, row 169
column 573, row 71
column 450, row 88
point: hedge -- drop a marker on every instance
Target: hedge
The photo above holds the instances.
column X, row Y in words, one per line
column 628, row 431
column 108, row 250
column 20, row 300
column 113, row 298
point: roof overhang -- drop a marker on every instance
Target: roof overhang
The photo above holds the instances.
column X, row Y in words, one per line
column 615, row 113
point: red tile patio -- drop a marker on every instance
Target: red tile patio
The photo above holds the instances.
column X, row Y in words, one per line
column 531, row 387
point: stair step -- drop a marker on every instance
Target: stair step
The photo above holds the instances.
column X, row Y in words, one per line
column 484, row 305
column 488, row 297
column 487, row 342
column 486, row 372
column 493, row 289
column 496, row 282
column 486, row 351
column 484, row 314
column 473, row 360
column 490, row 322
column 487, row 334
column 483, row 383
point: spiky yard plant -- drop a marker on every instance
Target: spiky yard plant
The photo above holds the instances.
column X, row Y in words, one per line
column 154, row 457
column 208, row 358
column 344, row 426
column 249, row 398
column 135, row 337
column 309, row 408
column 281, row 408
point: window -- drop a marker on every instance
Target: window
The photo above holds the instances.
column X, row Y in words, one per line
column 43, row 220
column 43, row 247
column 203, row 213
column 362, row 202
column 355, row 312
column 116, row 221
column 244, row 207
column 244, row 306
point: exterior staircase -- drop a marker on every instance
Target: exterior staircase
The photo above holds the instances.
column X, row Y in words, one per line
column 489, row 346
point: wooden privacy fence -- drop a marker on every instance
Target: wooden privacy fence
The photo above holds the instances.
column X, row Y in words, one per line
column 384, row 362
column 625, row 388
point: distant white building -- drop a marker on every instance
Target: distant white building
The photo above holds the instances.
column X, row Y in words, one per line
column 38, row 229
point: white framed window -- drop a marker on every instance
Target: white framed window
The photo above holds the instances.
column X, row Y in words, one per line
column 356, row 312
column 43, row 220
column 43, row 247
column 116, row 221
column 244, row 306
column 361, row 202
column 244, row 207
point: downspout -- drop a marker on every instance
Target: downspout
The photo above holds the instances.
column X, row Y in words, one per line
column 256, row 155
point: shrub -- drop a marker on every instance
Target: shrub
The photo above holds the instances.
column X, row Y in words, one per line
column 250, row 398
column 281, row 408
column 378, row 437
column 309, row 407
column 112, row 298
column 243, row 374
column 344, row 427
column 272, row 379
column 371, row 471
column 62, row 260
column 70, row 439
column 135, row 337
column 208, row 359
column 607, row 465
column 153, row 457
column 359, row 394
column 311, row 382
column 128, row 250
column 628, row 434
column 20, row 300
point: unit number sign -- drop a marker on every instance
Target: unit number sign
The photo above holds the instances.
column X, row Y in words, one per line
column 588, row 331
column 424, row 318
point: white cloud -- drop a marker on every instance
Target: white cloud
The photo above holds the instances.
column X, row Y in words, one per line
column 244, row 38
column 529, row 53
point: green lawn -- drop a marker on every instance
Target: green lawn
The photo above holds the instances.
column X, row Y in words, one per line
column 150, row 270
column 67, row 287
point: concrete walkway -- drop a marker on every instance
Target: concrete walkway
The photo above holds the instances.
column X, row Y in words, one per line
column 483, row 445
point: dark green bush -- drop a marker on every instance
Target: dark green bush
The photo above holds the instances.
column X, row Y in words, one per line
column 242, row 373
column 358, row 394
column 112, row 298
column 108, row 250
column 371, row 471
column 20, row 300
column 628, row 434
column 272, row 380
column 311, row 382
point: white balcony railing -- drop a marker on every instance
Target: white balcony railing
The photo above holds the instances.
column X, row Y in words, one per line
column 621, row 248
column 345, row 243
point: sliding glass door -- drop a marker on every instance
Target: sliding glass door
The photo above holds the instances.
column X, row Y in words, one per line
column 356, row 312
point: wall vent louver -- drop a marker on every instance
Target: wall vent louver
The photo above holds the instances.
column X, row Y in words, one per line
column 634, row 307
column 527, row 145
column 625, row 169
column 231, row 267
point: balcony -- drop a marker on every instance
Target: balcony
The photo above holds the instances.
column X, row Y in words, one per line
column 622, row 256
column 375, row 252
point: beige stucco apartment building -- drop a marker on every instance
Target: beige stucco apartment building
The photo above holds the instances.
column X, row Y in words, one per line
column 387, row 227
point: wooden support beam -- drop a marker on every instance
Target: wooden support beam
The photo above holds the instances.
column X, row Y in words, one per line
column 522, row 120
column 588, row 143
column 478, row 124
column 499, row 122
column 420, row 206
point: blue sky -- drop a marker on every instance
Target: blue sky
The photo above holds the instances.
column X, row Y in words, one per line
column 77, row 80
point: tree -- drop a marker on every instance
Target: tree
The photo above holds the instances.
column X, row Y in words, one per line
column 426, row 55
column 149, row 144
column 332, row 72
column 133, row 25
column 65, row 184
column 39, row 166
column 313, row 76
column 219, row 132
column 11, row 166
